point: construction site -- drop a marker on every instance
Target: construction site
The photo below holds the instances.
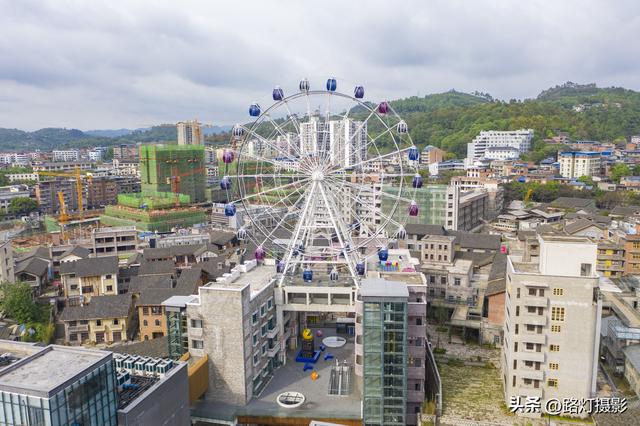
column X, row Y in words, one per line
column 172, row 187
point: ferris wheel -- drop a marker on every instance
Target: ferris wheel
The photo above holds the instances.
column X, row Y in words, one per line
column 321, row 176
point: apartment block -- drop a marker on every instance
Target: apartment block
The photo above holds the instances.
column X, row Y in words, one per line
column 496, row 144
column 190, row 133
column 238, row 309
column 575, row 164
column 552, row 322
column 85, row 278
column 431, row 154
column 66, row 155
column 466, row 210
column 114, row 241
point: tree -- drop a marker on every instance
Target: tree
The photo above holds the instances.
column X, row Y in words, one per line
column 18, row 304
column 22, row 205
column 618, row 171
column 636, row 170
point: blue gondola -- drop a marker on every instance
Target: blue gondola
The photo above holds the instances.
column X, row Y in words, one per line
column 417, row 181
column 230, row 210
column 242, row 234
column 332, row 85
column 358, row 92
column 402, row 127
column 307, row 275
column 522, row 179
column 225, row 183
column 254, row 110
column 414, row 154
column 360, row 268
column 280, row 266
column 278, row 94
column 383, row 254
column 304, row 85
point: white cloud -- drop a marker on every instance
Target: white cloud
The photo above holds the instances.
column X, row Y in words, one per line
column 106, row 64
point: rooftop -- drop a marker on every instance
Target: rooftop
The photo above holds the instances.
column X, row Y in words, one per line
column 116, row 306
column 13, row 351
column 91, row 267
column 376, row 287
column 35, row 375
column 248, row 274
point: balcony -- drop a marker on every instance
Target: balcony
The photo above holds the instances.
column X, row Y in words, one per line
column 534, row 338
column 271, row 334
column 539, row 302
column 416, row 373
column 532, row 374
column 417, row 331
column 417, row 309
column 274, row 350
column 415, row 396
column 530, row 391
column 79, row 328
column 531, row 356
column 534, row 319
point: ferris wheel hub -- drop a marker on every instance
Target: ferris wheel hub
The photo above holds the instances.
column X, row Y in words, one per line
column 317, row 175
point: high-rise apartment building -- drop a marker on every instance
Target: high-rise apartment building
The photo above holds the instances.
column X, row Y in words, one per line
column 579, row 163
column 66, row 155
column 486, row 143
column 190, row 133
column 343, row 141
column 552, row 323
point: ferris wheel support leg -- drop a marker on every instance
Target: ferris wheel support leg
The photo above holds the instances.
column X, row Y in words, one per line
column 335, row 225
column 296, row 234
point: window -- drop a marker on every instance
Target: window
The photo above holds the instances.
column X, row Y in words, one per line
column 558, row 291
column 197, row 344
column 263, row 349
column 516, row 329
column 443, row 280
column 98, row 323
column 456, row 281
column 157, row 323
column 256, row 358
column 254, row 338
column 532, row 292
column 145, row 323
column 145, row 310
column 555, row 329
column 518, row 293
column 254, row 318
column 263, row 330
column 552, row 383
column 557, row 313
column 517, row 311
column 585, row 269
column 116, row 321
column 553, row 366
column 108, row 276
column 529, row 346
column 270, row 303
column 554, row 348
column 109, row 288
column 196, row 323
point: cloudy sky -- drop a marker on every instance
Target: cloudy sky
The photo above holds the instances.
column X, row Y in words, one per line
column 128, row 63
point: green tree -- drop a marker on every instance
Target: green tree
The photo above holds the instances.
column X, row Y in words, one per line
column 18, row 304
column 22, row 205
column 618, row 171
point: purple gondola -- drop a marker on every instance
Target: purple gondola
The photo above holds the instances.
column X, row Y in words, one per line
column 413, row 209
column 358, row 92
column 227, row 156
column 278, row 94
column 417, row 181
column 259, row 254
column 383, row 107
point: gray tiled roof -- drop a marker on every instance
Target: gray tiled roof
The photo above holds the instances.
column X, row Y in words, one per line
column 79, row 251
column 424, row 229
column 169, row 252
column 158, row 267
column 141, row 283
column 157, row 348
column 497, row 275
column 33, row 266
column 572, row 202
column 476, row 241
column 580, row 225
column 116, row 306
column 91, row 267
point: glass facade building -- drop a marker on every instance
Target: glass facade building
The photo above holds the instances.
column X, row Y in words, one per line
column 385, row 360
column 431, row 200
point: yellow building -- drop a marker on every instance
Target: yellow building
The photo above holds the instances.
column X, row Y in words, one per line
column 105, row 320
column 85, row 278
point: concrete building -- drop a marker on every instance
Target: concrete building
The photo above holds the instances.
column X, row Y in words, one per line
column 190, row 133
column 233, row 323
column 8, row 193
column 105, row 319
column 66, row 155
column 21, row 177
column 114, row 241
column 7, row 271
column 86, row 278
column 446, row 166
column 552, row 322
column 431, row 154
column 466, row 210
column 575, row 164
column 486, row 144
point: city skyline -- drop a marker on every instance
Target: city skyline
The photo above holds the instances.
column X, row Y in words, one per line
column 135, row 65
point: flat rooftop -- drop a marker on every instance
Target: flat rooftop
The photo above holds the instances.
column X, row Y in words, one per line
column 53, row 367
column 11, row 352
column 290, row 377
column 258, row 277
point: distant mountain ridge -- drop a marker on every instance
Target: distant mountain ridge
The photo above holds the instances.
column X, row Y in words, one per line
column 448, row 120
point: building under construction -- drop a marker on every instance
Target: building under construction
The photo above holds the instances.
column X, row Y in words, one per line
column 172, row 181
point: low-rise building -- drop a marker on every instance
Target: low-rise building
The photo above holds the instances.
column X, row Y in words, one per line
column 114, row 241
column 84, row 279
column 104, row 320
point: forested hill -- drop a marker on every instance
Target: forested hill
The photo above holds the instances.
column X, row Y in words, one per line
column 584, row 111
column 449, row 120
